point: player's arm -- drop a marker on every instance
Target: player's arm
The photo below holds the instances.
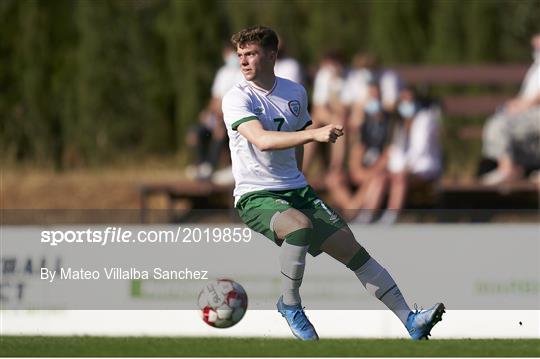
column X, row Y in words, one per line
column 266, row 140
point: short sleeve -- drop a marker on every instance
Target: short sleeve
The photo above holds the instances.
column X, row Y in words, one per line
column 237, row 109
column 305, row 117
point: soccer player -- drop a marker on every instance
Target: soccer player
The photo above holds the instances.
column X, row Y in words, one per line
column 268, row 123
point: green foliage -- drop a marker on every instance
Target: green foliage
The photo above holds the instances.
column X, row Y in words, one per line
column 399, row 29
column 83, row 82
column 192, row 50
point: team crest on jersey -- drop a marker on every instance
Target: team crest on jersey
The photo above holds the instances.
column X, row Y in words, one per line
column 282, row 201
column 294, row 106
column 258, row 111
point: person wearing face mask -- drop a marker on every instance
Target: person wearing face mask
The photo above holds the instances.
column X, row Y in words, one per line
column 511, row 137
column 368, row 158
column 209, row 136
column 414, row 157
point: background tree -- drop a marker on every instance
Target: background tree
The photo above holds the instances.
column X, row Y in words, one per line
column 87, row 82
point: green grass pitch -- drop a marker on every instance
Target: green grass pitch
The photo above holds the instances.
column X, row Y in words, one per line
column 260, row 347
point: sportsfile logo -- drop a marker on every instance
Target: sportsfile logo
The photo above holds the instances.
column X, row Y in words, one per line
column 120, row 235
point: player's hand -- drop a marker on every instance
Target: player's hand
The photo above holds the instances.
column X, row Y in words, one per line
column 328, row 133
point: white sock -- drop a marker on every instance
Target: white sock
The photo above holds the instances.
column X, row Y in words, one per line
column 380, row 284
column 292, row 260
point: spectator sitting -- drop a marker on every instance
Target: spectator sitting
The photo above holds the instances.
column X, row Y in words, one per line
column 366, row 71
column 368, row 158
column 415, row 155
column 511, row 138
column 287, row 67
column 327, row 89
column 209, row 136
column 355, row 89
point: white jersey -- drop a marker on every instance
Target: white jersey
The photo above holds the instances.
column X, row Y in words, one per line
column 420, row 151
column 283, row 108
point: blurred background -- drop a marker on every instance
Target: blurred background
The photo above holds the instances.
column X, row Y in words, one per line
column 109, row 113
column 98, row 96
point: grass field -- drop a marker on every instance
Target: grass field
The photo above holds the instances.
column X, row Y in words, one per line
column 256, row 347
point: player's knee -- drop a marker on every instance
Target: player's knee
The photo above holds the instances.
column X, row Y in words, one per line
column 290, row 221
column 299, row 237
column 303, row 222
column 358, row 259
column 297, row 220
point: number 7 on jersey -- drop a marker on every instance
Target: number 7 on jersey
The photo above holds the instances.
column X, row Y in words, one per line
column 280, row 121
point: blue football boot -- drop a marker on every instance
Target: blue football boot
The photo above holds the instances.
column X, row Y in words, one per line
column 420, row 322
column 298, row 322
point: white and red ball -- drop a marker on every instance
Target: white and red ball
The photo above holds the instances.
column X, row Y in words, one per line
column 223, row 303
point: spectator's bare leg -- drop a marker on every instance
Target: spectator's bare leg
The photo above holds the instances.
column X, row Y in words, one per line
column 310, row 150
column 375, row 191
column 398, row 190
column 340, row 194
column 319, row 118
column 509, row 168
column 337, row 151
column 368, row 199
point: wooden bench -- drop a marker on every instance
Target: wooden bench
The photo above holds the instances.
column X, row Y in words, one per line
column 199, row 195
column 467, row 104
column 498, row 83
column 206, row 195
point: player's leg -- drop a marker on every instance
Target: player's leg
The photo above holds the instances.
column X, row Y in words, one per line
column 377, row 281
column 272, row 214
column 295, row 230
column 375, row 278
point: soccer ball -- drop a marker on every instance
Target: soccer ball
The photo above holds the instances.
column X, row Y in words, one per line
column 223, row 303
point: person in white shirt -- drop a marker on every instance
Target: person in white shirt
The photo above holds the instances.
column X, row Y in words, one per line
column 327, row 108
column 511, row 137
column 414, row 157
column 208, row 137
column 286, row 67
column 366, row 70
column 268, row 123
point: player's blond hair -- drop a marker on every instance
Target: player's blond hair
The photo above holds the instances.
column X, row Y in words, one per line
column 260, row 35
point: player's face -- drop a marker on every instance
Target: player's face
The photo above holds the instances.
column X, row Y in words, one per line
column 255, row 62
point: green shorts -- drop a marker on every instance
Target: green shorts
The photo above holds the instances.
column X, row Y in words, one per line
column 258, row 209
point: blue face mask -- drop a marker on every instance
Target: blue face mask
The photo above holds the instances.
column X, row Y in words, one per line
column 372, row 107
column 232, row 60
column 407, row 109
